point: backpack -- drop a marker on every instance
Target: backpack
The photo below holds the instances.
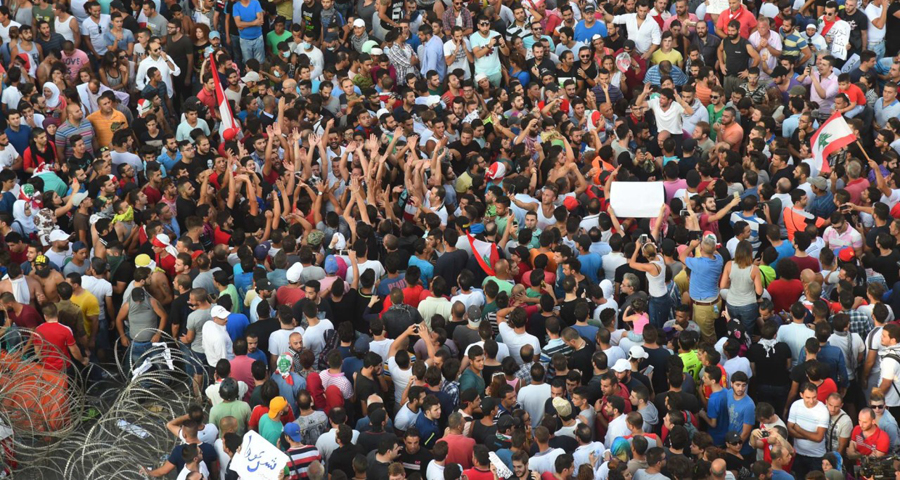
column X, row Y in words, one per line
column 331, row 342
column 896, row 358
column 689, row 424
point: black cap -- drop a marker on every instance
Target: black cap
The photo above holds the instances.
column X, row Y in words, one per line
column 629, row 45
column 689, row 145
column 733, row 437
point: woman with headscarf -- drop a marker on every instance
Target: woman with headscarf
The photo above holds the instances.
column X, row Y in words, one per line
column 23, row 219
column 56, row 103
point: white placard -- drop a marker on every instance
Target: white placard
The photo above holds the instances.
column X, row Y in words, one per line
column 636, row 199
column 258, row 459
column 840, row 37
column 716, row 7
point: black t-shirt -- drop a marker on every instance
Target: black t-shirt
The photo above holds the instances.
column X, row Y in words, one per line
column 461, row 165
column 873, row 234
column 415, row 462
column 858, row 22
column 773, row 364
column 185, row 209
column 450, row 264
column 658, row 358
column 482, row 433
column 342, row 459
column 209, row 456
column 348, row 307
column 537, row 326
column 581, row 360
column 368, row 441
column 124, row 274
column 179, row 311
column 736, row 56
column 887, row 265
column 365, row 387
column 312, row 18
column 262, row 329
column 179, row 51
column 375, row 469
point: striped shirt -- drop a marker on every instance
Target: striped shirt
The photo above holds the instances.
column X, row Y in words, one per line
column 300, row 459
column 84, row 129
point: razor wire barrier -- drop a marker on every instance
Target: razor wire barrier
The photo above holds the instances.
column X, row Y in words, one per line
column 46, row 413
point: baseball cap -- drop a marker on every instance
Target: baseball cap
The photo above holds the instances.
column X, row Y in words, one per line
column 688, row 145
column 621, row 365
column 261, row 251
column 293, row 273
column 589, row 8
column 276, row 406
column 331, row 265
column 250, row 77
column 292, row 430
column 508, row 421
column 362, row 344
column 375, row 51
column 571, row 203
column 78, row 198
column 847, row 255
column 41, row 260
column 315, row 237
column 214, row 34
column 562, row 407
column 359, row 23
column 637, row 351
column 818, row 182
column 479, row 77
column 628, row 45
column 58, row 236
column 218, row 311
column 797, row 91
column 79, row 245
column 732, row 437
column 264, row 284
column 474, row 315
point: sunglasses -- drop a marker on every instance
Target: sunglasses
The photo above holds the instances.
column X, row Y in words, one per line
column 877, row 407
column 584, row 56
column 713, row 97
column 482, row 24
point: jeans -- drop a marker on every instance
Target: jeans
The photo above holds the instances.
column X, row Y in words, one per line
column 747, row 314
column 195, row 363
column 253, row 48
column 774, row 395
column 878, row 48
column 804, row 465
column 236, row 53
column 138, row 350
column 659, row 310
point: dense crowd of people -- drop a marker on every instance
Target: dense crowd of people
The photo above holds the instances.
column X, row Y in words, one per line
column 382, row 234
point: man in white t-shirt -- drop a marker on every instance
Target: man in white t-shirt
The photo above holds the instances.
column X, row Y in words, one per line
column 669, row 110
column 8, row 154
column 808, row 421
column 458, row 50
column 6, row 23
column 513, row 332
column 840, row 426
column 890, row 367
column 876, row 11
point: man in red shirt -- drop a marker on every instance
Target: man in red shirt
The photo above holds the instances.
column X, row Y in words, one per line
column 56, row 342
column 867, row 439
column 482, row 465
column 736, row 11
column 20, row 314
column 459, row 447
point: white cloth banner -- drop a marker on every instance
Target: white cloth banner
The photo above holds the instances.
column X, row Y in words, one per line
column 258, row 459
column 716, row 7
column 636, row 199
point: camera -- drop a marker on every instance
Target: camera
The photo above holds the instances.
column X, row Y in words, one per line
column 763, row 434
column 879, row 468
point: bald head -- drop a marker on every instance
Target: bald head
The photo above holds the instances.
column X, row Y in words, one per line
column 228, row 425
column 718, row 468
column 501, row 267
column 807, row 276
column 784, row 185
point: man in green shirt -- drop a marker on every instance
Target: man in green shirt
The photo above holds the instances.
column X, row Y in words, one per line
column 471, row 377
column 278, row 35
column 270, row 426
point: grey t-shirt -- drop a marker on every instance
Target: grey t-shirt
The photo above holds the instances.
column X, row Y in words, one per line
column 643, row 475
column 195, row 322
column 141, row 316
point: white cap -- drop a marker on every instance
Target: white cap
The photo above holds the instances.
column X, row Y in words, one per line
column 59, row 236
column 293, row 273
column 621, row 365
column 250, row 77
column 479, row 77
column 219, row 311
column 376, row 51
column 359, row 23
column 637, row 352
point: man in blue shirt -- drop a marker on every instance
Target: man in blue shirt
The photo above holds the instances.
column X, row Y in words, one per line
column 432, row 53
column 704, row 288
column 589, row 26
column 248, row 16
column 427, row 423
column 590, row 262
column 19, row 135
column 741, row 410
column 716, row 413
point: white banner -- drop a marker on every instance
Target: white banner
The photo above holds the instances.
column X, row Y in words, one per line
column 258, row 459
column 840, row 38
column 716, row 7
column 636, row 199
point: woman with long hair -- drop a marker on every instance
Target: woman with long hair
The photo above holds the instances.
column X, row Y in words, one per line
column 660, row 302
column 200, row 39
column 113, row 74
column 744, row 283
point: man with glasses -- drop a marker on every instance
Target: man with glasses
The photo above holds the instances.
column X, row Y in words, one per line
column 487, row 46
column 537, row 36
column 163, row 63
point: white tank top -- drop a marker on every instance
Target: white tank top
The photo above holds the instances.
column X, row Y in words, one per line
column 544, row 222
column 64, row 29
column 657, row 284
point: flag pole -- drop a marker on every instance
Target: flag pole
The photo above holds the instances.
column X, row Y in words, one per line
column 868, row 159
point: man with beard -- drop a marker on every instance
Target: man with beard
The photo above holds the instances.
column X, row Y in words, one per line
column 734, row 54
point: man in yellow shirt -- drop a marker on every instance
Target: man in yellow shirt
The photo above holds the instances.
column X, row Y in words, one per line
column 107, row 120
column 90, row 308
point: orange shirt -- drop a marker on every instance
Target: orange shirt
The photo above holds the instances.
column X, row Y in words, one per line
column 702, row 93
column 104, row 128
column 734, row 135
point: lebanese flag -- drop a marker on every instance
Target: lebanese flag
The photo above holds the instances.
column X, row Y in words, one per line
column 228, row 127
column 832, row 136
column 485, row 253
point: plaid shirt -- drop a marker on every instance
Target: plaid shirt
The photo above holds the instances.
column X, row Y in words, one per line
column 860, row 323
column 451, row 389
column 400, row 56
column 524, row 373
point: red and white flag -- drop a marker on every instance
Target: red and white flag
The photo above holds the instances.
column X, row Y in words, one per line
column 832, row 136
column 228, row 126
column 485, row 253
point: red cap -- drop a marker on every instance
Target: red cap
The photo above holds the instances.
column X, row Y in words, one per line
column 847, row 254
column 571, row 203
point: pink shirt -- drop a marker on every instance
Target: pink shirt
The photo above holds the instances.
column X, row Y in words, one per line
column 75, row 62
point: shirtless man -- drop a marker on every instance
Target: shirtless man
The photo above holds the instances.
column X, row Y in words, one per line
column 158, row 283
column 48, row 279
column 35, row 290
